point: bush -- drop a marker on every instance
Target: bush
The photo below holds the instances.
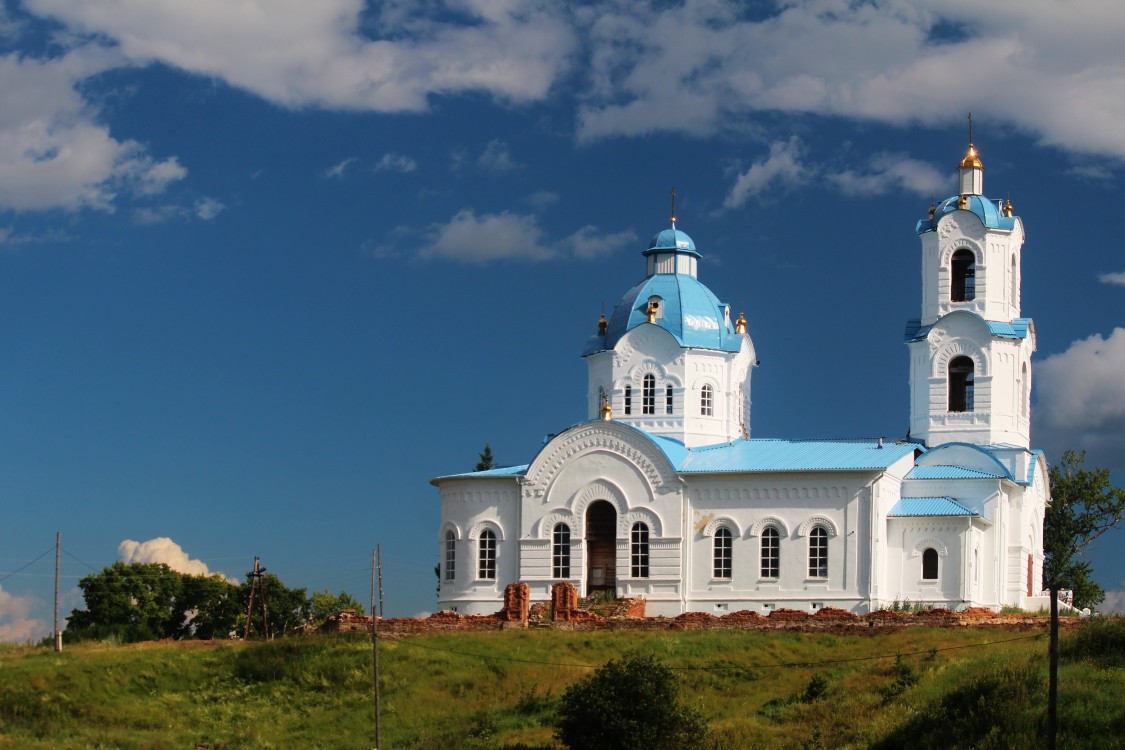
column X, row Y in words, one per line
column 631, row 704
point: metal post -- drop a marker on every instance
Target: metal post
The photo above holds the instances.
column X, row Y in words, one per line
column 375, row 635
column 58, row 635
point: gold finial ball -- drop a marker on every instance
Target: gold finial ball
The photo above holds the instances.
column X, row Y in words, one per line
column 740, row 324
column 963, row 202
column 607, row 410
column 971, row 160
column 933, row 210
column 1009, row 209
column 603, row 325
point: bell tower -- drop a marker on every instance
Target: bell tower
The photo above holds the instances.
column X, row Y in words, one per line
column 970, row 350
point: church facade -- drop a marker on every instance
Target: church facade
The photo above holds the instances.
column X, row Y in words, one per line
column 663, row 494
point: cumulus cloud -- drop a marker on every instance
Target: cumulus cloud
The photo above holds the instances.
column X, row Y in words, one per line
column 469, row 238
column 697, row 66
column 1081, row 399
column 781, row 167
column 208, row 208
column 1117, row 278
column 395, row 163
column 205, row 208
column 54, row 153
column 886, row 172
column 497, row 157
column 590, row 242
column 298, row 53
column 542, row 199
column 17, row 621
column 164, row 550
column 1114, row 603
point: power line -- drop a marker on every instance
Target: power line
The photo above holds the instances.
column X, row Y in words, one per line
column 25, row 567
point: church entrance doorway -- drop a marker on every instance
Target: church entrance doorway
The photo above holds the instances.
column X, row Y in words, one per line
column 601, row 548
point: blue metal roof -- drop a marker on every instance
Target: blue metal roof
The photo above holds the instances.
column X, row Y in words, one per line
column 672, row 240
column 929, row 506
column 987, row 210
column 760, row 455
column 691, row 313
column 1017, row 329
column 949, row 472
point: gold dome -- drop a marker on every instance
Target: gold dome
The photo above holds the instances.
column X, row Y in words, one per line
column 971, row 160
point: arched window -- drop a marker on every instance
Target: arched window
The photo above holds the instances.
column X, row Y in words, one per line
column 771, row 552
column 722, row 553
column 929, row 564
column 450, row 555
column 818, row 553
column 638, row 550
column 486, row 555
column 706, row 401
column 648, row 395
column 628, row 399
column 668, row 400
column 560, row 551
column 963, row 267
column 961, row 384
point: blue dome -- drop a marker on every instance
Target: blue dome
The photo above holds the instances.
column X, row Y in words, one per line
column 672, row 240
column 690, row 312
column 987, row 210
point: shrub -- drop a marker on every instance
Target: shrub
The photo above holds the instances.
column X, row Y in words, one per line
column 631, row 704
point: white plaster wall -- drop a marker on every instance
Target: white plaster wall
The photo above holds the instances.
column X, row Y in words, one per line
column 468, row 505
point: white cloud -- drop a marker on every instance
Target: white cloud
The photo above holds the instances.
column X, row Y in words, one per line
column 541, row 199
column 1081, row 400
column 1113, row 278
column 887, row 173
column 590, row 242
column 468, row 238
column 486, row 238
column 497, row 157
column 164, row 550
column 699, row 66
column 299, row 53
column 1114, row 603
column 9, row 237
column 337, row 170
column 17, row 622
column 208, row 208
column 53, row 152
column 782, row 166
column 395, row 163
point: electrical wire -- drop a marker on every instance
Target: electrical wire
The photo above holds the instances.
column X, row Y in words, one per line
column 25, row 567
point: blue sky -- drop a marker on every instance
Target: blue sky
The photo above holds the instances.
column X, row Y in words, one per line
column 268, row 267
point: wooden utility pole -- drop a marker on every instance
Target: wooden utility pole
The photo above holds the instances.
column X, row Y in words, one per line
column 375, row 614
column 255, row 576
column 58, row 547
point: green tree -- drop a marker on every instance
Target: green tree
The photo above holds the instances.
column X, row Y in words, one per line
column 325, row 604
column 486, row 460
column 287, row 608
column 211, row 605
column 1084, row 505
column 631, row 704
column 134, row 602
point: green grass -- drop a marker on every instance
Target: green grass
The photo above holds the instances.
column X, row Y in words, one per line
column 925, row 687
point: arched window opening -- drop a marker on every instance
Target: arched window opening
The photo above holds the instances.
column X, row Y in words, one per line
column 964, row 271
column 648, row 395
column 486, row 556
column 706, row 401
column 668, row 400
column 929, row 564
column 450, row 556
column 722, row 553
column 560, row 551
column 638, row 550
column 818, row 553
column 628, row 399
column 771, row 553
column 961, row 384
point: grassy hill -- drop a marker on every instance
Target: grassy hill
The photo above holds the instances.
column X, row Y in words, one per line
column 918, row 687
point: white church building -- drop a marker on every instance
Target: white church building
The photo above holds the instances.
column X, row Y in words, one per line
column 663, row 494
